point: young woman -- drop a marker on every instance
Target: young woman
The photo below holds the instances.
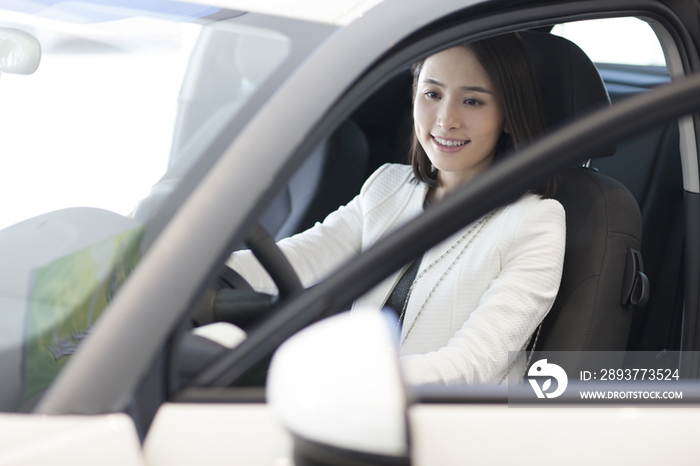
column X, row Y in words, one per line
column 482, row 292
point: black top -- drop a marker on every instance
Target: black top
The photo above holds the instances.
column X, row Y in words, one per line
column 399, row 295
column 398, row 298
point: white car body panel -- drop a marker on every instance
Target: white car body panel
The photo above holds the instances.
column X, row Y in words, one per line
column 217, row 434
column 34, row 439
column 448, row 435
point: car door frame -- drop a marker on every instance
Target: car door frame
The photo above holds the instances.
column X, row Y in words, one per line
column 239, row 360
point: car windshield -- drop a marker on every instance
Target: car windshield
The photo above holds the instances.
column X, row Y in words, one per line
column 128, row 98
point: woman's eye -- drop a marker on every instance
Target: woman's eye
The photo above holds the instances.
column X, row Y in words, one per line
column 472, row 102
column 431, row 94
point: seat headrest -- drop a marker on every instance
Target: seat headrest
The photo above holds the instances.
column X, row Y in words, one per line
column 570, row 82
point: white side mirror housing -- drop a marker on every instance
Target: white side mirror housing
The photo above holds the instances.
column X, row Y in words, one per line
column 337, row 383
column 20, row 52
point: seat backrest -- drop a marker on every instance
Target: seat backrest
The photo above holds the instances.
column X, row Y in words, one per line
column 331, row 176
column 602, row 217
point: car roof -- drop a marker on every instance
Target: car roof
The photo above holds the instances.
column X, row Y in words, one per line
column 337, row 12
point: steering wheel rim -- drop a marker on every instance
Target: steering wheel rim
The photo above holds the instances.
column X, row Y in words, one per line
column 273, row 261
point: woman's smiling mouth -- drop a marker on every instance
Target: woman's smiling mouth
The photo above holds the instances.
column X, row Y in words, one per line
column 448, row 145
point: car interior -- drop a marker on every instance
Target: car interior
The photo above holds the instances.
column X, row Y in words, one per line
column 647, row 166
column 624, row 209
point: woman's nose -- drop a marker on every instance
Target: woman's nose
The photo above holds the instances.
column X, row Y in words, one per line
column 448, row 117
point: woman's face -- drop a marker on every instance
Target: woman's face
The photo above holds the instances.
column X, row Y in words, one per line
column 457, row 116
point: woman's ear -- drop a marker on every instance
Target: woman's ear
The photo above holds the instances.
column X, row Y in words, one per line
column 506, row 126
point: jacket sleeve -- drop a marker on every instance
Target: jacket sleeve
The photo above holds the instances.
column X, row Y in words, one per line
column 508, row 312
column 315, row 252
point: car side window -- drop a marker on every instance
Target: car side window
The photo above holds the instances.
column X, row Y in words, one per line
column 630, row 60
column 367, row 139
column 624, row 41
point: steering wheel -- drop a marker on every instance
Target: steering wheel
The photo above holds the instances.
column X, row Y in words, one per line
column 273, row 261
column 235, row 301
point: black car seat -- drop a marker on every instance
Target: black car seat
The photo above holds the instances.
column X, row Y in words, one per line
column 331, row 176
column 603, row 219
column 649, row 165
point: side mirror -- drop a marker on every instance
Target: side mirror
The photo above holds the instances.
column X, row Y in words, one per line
column 337, row 387
column 20, row 52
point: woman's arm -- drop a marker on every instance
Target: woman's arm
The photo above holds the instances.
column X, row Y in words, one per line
column 508, row 312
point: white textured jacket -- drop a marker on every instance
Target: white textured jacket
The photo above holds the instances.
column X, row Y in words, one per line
column 479, row 294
